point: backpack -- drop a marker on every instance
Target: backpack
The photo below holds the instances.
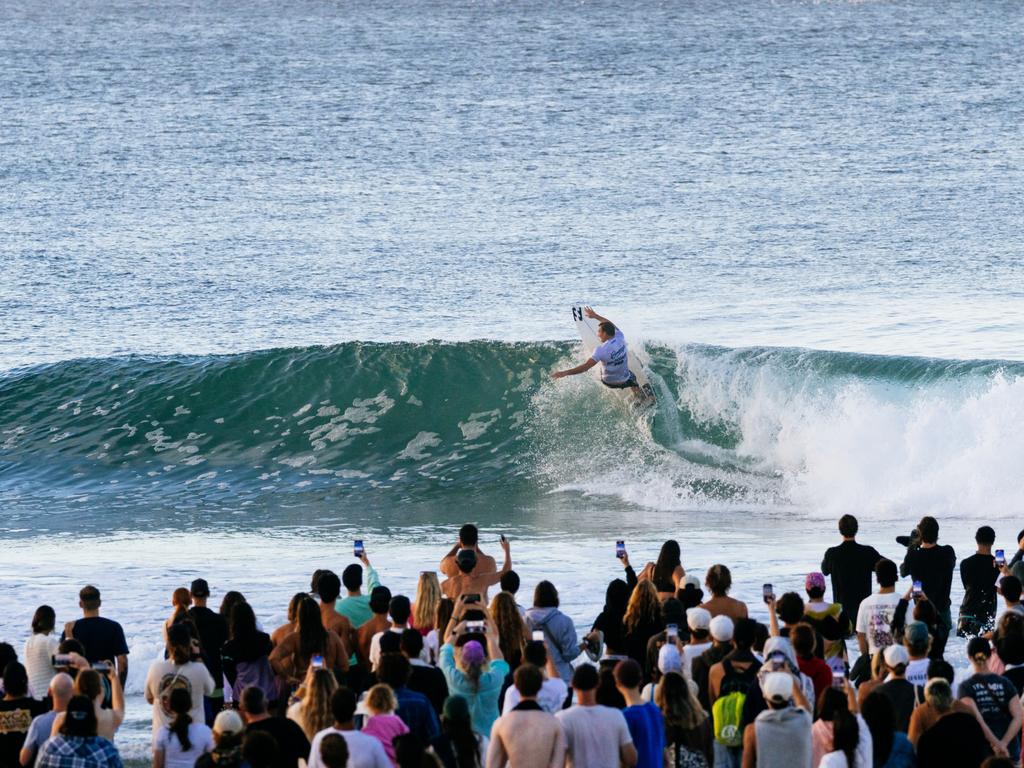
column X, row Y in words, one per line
column 727, row 710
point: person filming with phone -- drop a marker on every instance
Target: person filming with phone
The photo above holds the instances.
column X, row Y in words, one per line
column 932, row 565
column 472, row 580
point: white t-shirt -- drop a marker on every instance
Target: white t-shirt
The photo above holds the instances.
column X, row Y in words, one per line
column 199, row 736
column 614, row 358
column 874, row 619
column 691, row 652
column 593, row 736
column 364, row 751
column 165, row 676
column 375, row 646
column 38, row 650
column 553, row 693
column 862, row 757
column 917, row 671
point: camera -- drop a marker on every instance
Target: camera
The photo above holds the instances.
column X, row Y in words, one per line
column 913, row 541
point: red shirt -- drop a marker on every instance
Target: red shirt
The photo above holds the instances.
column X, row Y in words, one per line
column 819, row 672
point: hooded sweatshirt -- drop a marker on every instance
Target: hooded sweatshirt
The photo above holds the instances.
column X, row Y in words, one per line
column 561, row 635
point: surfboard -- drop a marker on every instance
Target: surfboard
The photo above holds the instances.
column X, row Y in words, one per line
column 638, row 363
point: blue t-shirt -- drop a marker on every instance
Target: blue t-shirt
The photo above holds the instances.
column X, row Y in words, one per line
column 648, row 731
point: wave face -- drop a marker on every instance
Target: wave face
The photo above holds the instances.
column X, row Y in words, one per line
column 405, row 432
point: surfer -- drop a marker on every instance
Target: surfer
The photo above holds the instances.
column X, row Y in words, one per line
column 611, row 353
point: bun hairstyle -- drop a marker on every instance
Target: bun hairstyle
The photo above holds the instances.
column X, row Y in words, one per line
column 979, row 650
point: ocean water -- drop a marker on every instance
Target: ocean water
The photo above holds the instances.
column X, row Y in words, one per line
column 277, row 277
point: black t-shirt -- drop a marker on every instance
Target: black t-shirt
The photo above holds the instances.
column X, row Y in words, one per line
column 956, row 740
column 431, row 683
column 933, row 567
column 15, row 718
column 103, row 638
column 291, row 741
column 213, row 633
column 852, row 567
column 1016, row 676
column 978, row 574
column 904, row 698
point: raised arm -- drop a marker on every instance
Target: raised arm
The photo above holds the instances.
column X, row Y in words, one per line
column 589, row 312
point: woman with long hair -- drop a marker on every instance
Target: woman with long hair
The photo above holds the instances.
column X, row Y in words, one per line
column 889, row 747
column 688, row 732
column 228, row 603
column 559, row 630
column 180, row 743
column 293, row 655
column 245, row 657
column 78, row 736
column 179, row 670
column 469, row 747
column 313, row 709
column 668, row 570
column 292, row 624
column 90, row 683
column 641, row 621
column 609, row 621
column 424, row 608
column 432, row 641
column 511, row 628
column 38, row 651
column 840, row 738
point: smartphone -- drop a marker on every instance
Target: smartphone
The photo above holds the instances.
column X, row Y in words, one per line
column 768, row 592
column 777, row 661
column 471, row 598
column 502, row 538
column 917, row 589
column 61, row 660
column 476, row 627
column 538, row 634
column 620, row 549
column 317, row 661
column 838, row 678
column 1000, row 558
column 357, row 549
column 102, row 667
column 672, row 630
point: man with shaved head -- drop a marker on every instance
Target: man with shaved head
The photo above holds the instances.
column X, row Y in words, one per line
column 61, row 687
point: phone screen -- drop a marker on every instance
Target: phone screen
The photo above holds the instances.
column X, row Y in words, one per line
column 317, row 661
column 838, row 678
column 620, row 549
column 917, row 588
column 768, row 592
column 1000, row 557
column 358, row 548
column 475, row 626
column 538, row 634
column 672, row 630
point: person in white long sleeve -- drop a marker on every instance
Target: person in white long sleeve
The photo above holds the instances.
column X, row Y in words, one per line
column 364, row 751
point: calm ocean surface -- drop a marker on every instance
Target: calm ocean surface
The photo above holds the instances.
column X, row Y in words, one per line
column 276, row 276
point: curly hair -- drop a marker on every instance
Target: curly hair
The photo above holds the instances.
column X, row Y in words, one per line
column 510, row 624
column 643, row 606
column 428, row 597
column 316, row 703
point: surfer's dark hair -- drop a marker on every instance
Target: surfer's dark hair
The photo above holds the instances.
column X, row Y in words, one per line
column 608, row 327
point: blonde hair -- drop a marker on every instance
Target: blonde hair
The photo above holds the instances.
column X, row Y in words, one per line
column 316, row 703
column 510, row 625
column 381, row 700
column 428, row 597
column 643, row 605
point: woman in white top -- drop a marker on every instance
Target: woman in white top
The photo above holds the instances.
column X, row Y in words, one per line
column 38, row 651
column 179, row 671
column 180, row 743
column 851, row 742
column 89, row 683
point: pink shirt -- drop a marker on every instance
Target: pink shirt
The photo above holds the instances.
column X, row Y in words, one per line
column 385, row 728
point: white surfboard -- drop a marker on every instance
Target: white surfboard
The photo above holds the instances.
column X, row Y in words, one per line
column 587, row 328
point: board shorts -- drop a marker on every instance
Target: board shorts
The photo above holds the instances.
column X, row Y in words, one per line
column 627, row 384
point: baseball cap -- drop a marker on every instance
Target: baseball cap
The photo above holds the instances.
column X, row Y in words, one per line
column 814, row 580
column 777, row 686
column 228, row 721
column 669, row 659
column 721, row 628
column 698, row 618
column 200, row 588
column 895, row 655
column 473, row 653
column 916, row 632
column 692, row 581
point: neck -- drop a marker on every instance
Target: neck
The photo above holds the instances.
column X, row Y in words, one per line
column 984, row 549
column 327, row 603
column 586, row 698
column 929, row 544
column 631, row 695
column 199, row 602
column 90, row 613
column 886, row 590
column 345, row 726
column 249, row 718
column 357, row 593
column 849, row 538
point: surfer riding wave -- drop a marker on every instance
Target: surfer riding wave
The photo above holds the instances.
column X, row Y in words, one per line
column 612, row 354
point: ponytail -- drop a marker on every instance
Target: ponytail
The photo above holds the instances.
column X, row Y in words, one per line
column 181, row 705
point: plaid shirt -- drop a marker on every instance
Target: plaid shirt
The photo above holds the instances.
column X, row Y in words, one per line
column 78, row 752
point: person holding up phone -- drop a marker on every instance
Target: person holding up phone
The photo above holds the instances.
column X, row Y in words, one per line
column 469, row 538
column 470, row 580
column 978, row 574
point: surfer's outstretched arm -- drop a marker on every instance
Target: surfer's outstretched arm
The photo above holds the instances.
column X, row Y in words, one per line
column 581, row 368
column 589, row 312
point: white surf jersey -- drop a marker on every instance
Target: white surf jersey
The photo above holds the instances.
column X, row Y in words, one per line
column 614, row 358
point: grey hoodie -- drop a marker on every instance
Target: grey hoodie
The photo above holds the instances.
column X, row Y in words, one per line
column 561, row 636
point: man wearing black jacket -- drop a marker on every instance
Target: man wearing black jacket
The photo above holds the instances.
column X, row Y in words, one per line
column 851, row 566
column 213, row 633
column 933, row 565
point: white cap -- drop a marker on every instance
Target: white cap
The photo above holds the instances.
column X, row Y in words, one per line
column 692, row 580
column 896, row 655
column 698, row 618
column 669, row 659
column 777, row 686
column 721, row 628
column 228, row 721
